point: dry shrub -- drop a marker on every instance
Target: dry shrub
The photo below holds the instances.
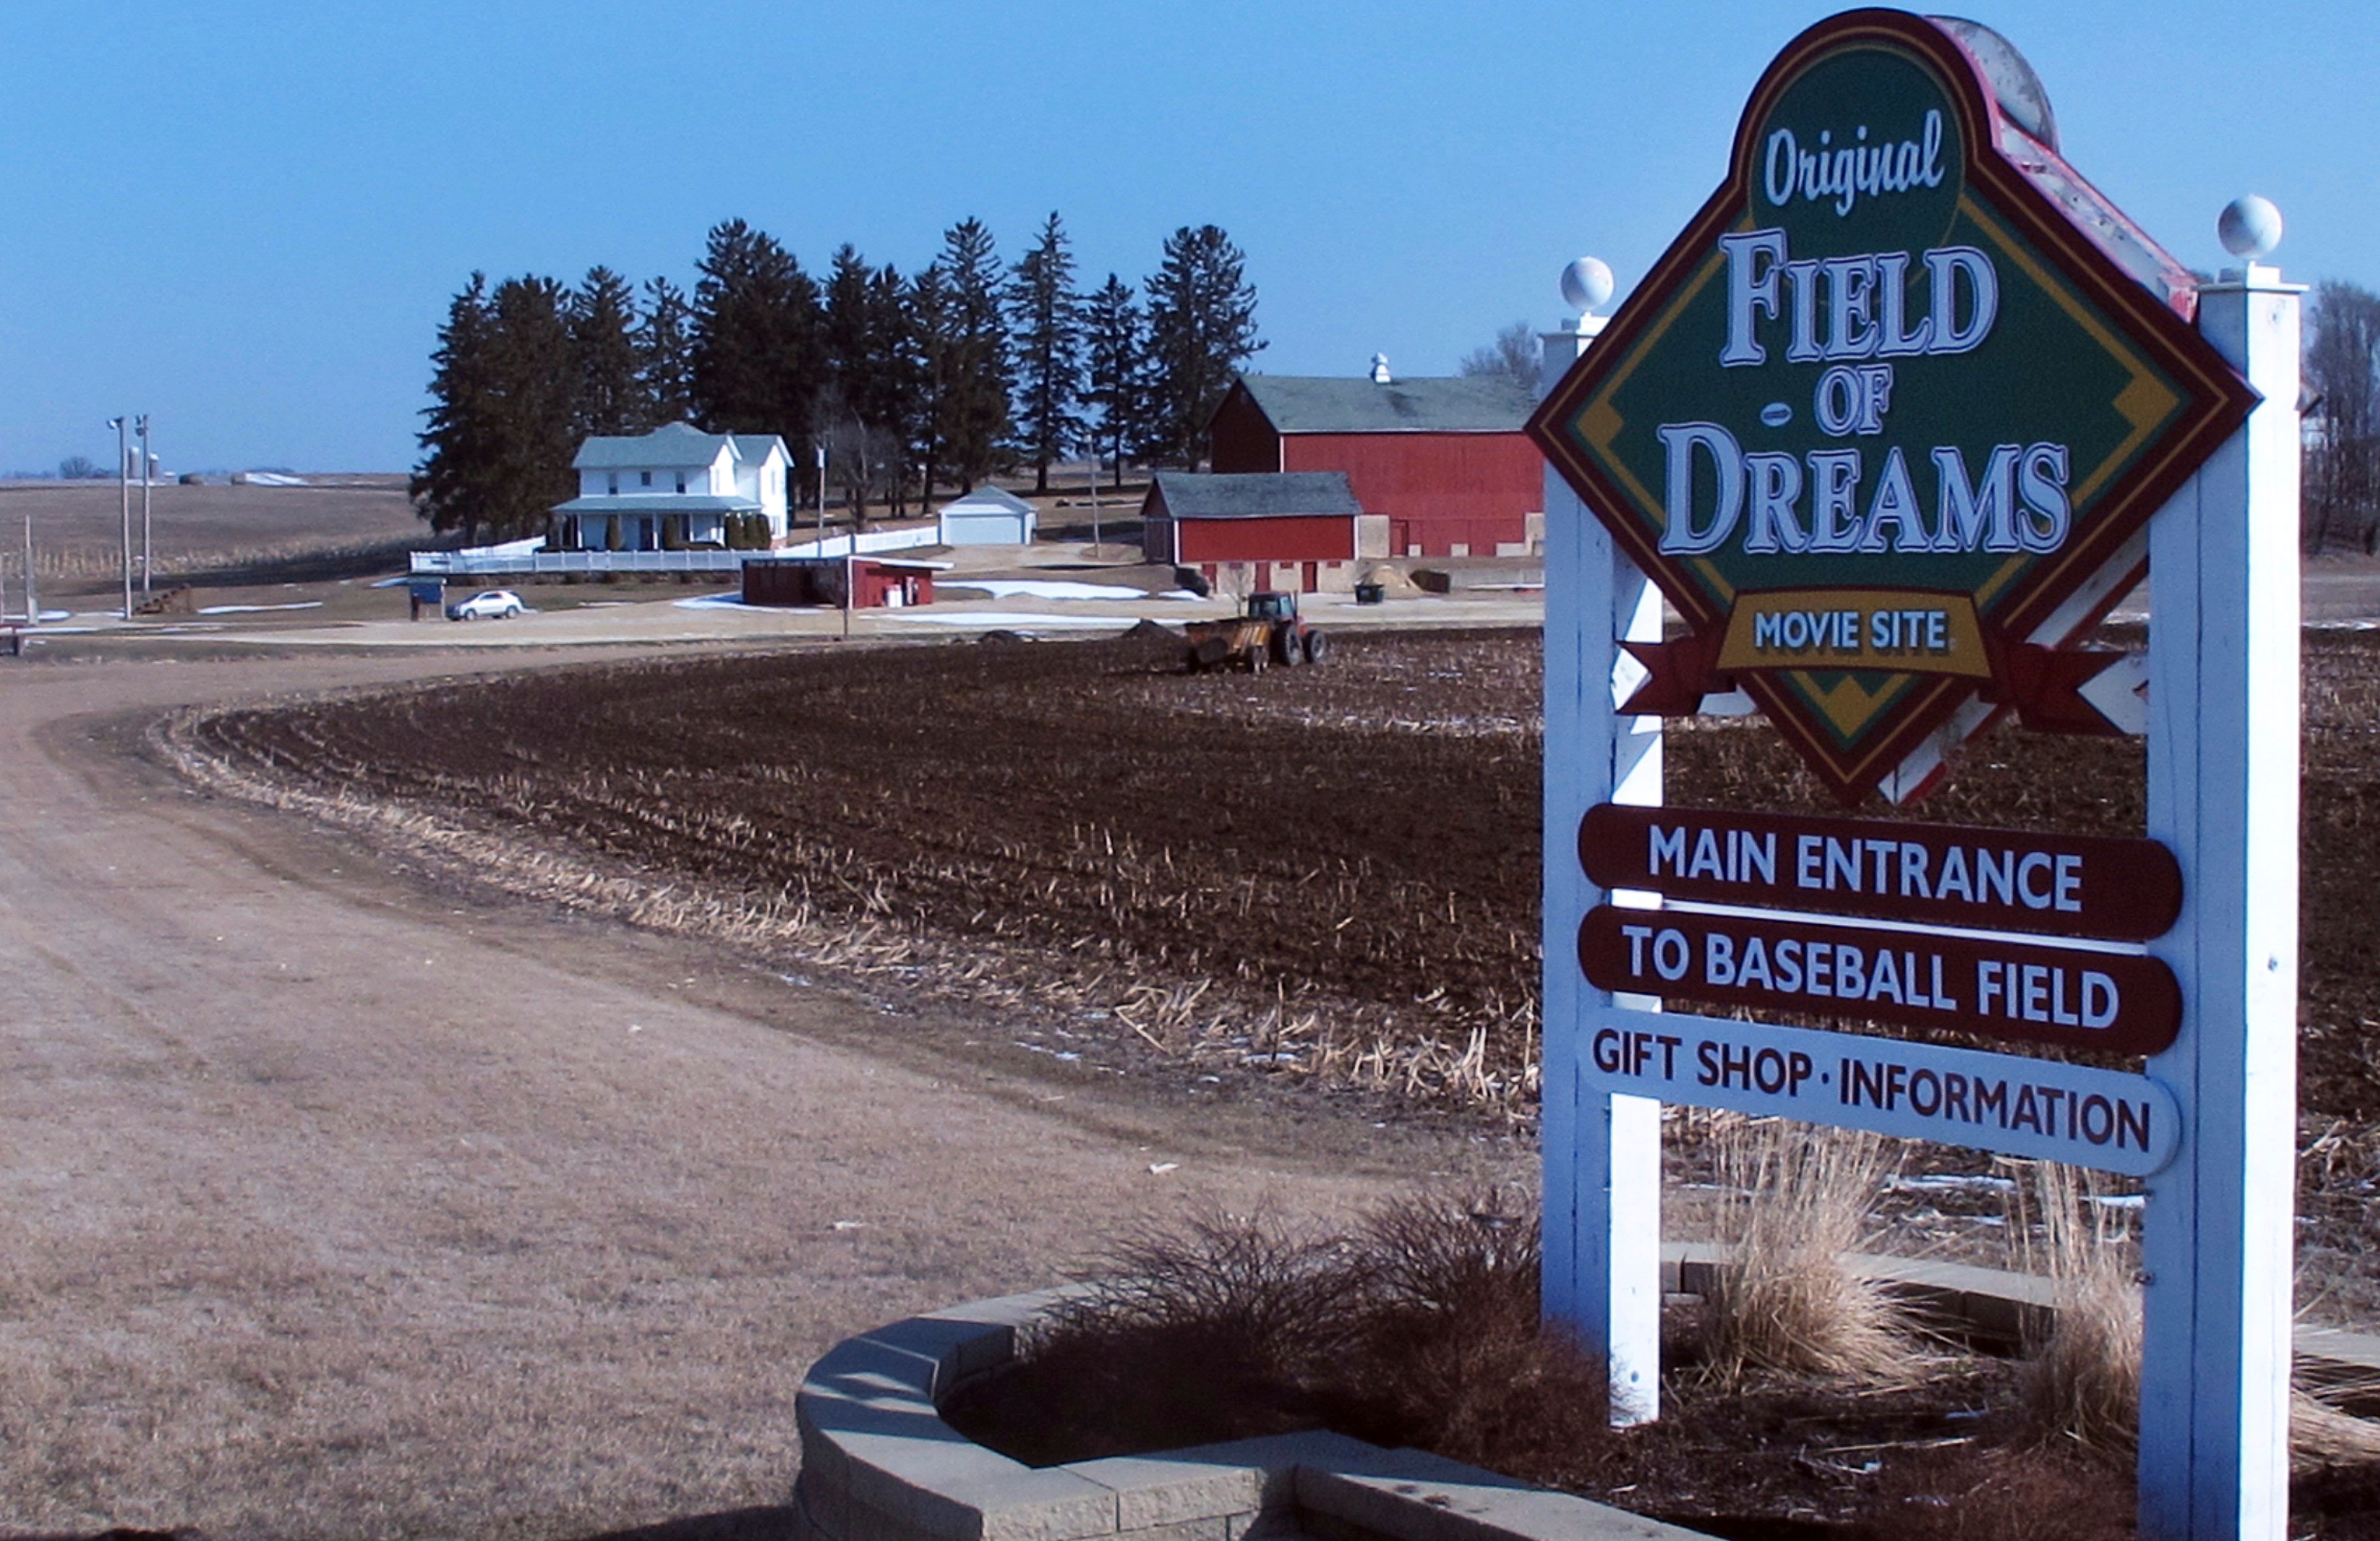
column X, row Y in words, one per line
column 1798, row 1199
column 1455, row 1355
column 1418, row 1328
column 2083, row 1378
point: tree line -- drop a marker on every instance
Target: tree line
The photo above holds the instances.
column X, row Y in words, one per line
column 908, row 381
column 2341, row 492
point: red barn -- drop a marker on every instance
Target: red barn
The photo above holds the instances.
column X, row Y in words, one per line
column 1444, row 460
column 1299, row 532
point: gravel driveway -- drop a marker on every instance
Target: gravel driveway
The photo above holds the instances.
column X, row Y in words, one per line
column 332, row 1205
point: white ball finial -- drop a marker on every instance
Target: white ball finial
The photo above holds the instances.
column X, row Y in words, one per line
column 1587, row 285
column 2251, row 227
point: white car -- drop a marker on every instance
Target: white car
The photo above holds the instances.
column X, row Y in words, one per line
column 488, row 604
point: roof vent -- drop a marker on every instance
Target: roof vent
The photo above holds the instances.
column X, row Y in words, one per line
column 1381, row 368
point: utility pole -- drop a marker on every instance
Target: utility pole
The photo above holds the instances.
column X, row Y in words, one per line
column 821, row 471
column 145, row 458
column 124, row 499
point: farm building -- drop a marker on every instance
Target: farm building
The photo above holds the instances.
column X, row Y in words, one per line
column 987, row 516
column 1299, row 531
column 876, row 583
column 1444, row 461
column 673, row 489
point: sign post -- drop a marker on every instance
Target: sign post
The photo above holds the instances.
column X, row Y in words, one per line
column 2217, row 1231
column 1602, row 1204
column 1886, row 427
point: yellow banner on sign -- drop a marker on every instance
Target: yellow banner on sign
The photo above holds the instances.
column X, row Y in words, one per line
column 1905, row 632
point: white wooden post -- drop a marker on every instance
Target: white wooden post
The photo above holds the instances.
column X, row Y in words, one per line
column 1602, row 1154
column 2223, row 795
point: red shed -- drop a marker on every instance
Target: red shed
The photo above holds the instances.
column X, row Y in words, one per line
column 1295, row 532
column 1444, row 460
column 875, row 582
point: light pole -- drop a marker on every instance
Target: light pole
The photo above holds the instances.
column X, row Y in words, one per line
column 820, row 448
column 144, row 505
column 124, row 499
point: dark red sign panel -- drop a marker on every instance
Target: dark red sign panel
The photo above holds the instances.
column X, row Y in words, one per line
column 2122, row 1002
column 1936, row 874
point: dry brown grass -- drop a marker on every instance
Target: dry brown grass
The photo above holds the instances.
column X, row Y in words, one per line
column 1797, row 1199
column 2083, row 1380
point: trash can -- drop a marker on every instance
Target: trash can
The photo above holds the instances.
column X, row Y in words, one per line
column 1369, row 593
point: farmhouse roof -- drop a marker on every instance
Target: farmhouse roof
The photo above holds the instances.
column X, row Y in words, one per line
column 659, row 503
column 1255, row 494
column 1325, row 404
column 985, row 500
column 671, row 444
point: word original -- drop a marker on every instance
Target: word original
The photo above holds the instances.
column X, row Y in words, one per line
column 1843, row 173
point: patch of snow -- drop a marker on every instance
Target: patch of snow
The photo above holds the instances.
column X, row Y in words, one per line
column 253, row 609
column 268, row 478
column 55, row 615
column 1031, row 589
column 701, row 601
column 1001, row 620
column 397, row 582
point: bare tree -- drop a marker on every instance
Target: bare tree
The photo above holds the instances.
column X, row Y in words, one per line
column 2342, row 374
column 1513, row 356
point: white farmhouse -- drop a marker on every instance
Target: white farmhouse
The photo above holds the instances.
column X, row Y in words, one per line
column 674, row 487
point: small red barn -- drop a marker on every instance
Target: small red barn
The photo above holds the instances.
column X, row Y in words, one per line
column 876, row 582
column 1298, row 532
column 1445, row 461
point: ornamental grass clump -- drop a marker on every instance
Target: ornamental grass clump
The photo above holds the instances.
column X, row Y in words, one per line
column 1798, row 1200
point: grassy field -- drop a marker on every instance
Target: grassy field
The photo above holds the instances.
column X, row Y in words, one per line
column 226, row 534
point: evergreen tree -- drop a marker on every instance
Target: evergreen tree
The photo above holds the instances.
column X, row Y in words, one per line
column 1113, row 370
column 665, row 353
column 1046, row 319
column 534, row 390
column 603, row 321
column 971, row 398
column 756, row 360
column 925, row 303
column 1202, row 327
column 891, row 395
column 449, row 486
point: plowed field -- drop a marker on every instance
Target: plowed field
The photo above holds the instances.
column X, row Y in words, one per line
column 1329, row 869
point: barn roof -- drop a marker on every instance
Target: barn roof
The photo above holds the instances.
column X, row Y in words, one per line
column 1255, row 494
column 1329, row 403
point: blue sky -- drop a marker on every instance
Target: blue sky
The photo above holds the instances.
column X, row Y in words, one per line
column 246, row 219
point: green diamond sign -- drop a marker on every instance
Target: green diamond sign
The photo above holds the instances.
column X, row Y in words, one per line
column 1903, row 386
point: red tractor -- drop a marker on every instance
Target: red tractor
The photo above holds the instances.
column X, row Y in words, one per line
column 1268, row 631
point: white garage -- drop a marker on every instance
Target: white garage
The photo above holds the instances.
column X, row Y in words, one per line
column 987, row 516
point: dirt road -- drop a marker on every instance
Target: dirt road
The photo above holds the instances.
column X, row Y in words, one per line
column 334, row 1206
